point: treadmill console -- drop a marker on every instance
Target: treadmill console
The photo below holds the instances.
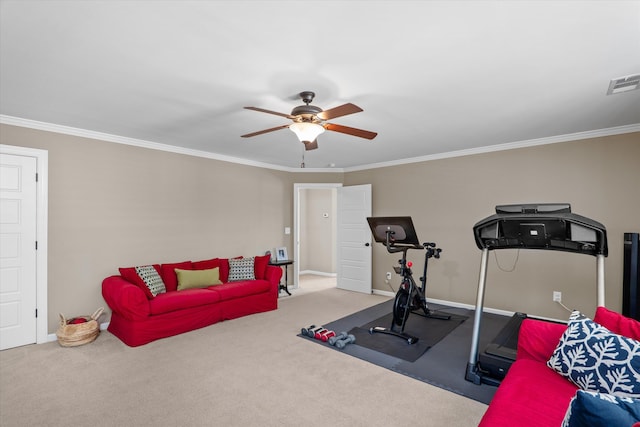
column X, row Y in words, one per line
column 550, row 226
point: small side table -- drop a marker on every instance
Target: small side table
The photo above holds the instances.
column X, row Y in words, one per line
column 283, row 263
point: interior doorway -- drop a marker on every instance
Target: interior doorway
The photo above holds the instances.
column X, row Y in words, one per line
column 315, row 216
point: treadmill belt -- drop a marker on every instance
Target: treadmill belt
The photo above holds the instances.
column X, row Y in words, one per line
column 505, row 344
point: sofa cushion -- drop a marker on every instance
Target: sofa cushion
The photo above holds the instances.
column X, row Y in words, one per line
column 189, row 279
column 231, row 290
column 167, row 271
column 172, row 301
column 617, row 323
column 241, row 269
column 590, row 409
column 260, row 266
column 221, row 263
column 531, row 394
column 537, row 339
column 146, row 277
column 596, row 359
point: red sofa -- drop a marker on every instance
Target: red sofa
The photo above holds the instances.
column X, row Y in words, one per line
column 532, row 394
column 138, row 317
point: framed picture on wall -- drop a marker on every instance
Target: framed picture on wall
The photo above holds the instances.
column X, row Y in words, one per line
column 281, row 254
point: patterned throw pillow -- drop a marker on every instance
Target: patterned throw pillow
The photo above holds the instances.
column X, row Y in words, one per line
column 590, row 409
column 241, row 269
column 596, row 359
column 152, row 279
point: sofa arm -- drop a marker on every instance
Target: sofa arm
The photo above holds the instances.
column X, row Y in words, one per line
column 538, row 339
column 273, row 274
column 125, row 298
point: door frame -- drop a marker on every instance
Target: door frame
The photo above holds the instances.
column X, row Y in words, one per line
column 296, row 221
column 42, row 221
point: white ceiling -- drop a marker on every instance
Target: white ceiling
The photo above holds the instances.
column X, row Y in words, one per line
column 432, row 77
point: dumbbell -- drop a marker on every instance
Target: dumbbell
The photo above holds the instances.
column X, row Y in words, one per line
column 311, row 332
column 305, row 331
column 318, row 334
column 326, row 335
column 343, row 342
column 341, row 335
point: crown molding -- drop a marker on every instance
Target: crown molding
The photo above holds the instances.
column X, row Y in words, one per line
column 507, row 146
column 67, row 130
column 50, row 127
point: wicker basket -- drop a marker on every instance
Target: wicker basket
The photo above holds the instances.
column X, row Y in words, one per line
column 72, row 335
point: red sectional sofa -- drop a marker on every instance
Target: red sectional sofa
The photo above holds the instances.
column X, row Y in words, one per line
column 139, row 317
column 533, row 394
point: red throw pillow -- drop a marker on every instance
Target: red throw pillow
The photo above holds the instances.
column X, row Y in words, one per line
column 207, row 264
column 538, row 339
column 617, row 323
column 221, row 263
column 260, row 266
column 168, row 274
column 131, row 275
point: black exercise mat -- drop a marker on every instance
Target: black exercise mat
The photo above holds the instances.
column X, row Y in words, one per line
column 429, row 332
column 389, row 345
column 444, row 365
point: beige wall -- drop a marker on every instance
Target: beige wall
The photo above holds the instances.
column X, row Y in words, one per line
column 599, row 177
column 113, row 205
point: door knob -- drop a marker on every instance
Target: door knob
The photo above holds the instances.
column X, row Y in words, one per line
column 366, row 244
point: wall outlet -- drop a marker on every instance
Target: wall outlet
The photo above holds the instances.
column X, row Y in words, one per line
column 557, row 296
column 388, row 275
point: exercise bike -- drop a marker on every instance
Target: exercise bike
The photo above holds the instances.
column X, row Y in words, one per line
column 400, row 236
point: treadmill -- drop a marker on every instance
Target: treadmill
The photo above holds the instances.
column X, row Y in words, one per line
column 544, row 226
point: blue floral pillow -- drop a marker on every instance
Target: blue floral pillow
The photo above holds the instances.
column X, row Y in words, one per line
column 596, row 359
column 590, row 409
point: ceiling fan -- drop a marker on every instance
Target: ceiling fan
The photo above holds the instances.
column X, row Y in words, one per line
column 310, row 121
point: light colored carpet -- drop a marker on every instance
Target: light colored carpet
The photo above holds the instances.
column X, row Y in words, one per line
column 252, row 371
column 310, row 283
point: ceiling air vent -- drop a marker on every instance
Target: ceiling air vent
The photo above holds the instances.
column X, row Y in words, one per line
column 624, row 84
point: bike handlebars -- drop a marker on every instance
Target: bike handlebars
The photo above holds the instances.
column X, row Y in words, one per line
column 432, row 251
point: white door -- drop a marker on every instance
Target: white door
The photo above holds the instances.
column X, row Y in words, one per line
column 17, row 251
column 354, row 239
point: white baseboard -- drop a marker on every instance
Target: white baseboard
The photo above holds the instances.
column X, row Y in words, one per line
column 383, row 293
column 318, row 273
column 470, row 307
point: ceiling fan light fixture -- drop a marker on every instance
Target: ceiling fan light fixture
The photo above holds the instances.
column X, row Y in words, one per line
column 306, row 131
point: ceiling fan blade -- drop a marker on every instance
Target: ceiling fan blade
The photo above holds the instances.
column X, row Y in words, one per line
column 262, row 110
column 260, row 132
column 311, row 145
column 339, row 111
column 350, row 131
